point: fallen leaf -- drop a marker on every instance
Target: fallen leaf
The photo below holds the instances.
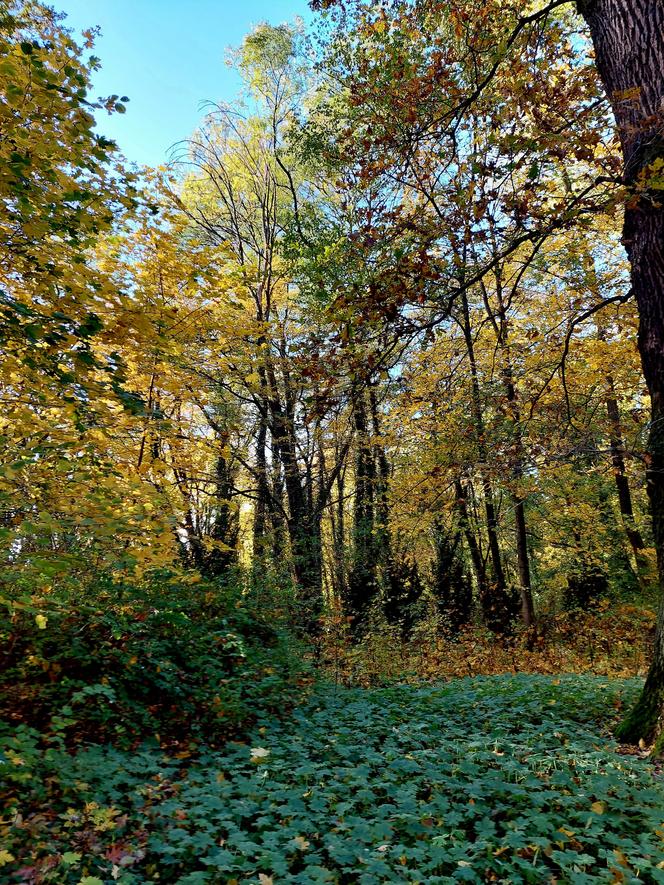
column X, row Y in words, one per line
column 258, row 753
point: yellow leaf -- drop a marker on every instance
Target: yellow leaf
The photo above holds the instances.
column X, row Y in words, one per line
column 5, row 857
column 621, row 858
column 598, row 807
column 41, row 621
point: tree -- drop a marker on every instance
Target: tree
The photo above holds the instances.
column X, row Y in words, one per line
column 62, row 187
column 448, row 191
column 474, row 48
column 245, row 192
column 629, row 47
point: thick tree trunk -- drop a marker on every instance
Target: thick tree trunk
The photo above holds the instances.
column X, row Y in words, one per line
column 628, row 37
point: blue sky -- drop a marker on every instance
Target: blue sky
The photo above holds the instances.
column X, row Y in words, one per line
column 168, row 57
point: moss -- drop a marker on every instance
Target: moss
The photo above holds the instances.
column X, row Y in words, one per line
column 658, row 748
column 643, row 721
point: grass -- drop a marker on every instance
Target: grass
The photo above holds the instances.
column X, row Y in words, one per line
column 491, row 779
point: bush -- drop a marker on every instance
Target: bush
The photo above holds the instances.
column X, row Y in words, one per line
column 169, row 657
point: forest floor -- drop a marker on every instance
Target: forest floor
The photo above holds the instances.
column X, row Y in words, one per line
column 511, row 778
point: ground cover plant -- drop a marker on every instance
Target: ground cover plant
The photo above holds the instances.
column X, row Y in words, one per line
column 493, row 779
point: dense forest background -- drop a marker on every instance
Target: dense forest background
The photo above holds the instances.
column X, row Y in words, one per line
column 362, row 356
column 350, row 387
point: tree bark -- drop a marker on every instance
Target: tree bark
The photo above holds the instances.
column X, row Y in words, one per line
column 520, row 530
column 523, row 562
column 382, row 471
column 496, row 604
column 628, row 38
column 278, row 523
column 262, row 500
column 476, row 558
column 226, row 525
column 339, row 535
column 362, row 587
column 617, row 447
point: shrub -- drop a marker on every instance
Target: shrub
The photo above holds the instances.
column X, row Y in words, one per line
column 166, row 657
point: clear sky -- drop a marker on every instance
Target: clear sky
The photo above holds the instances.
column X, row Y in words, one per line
column 168, row 57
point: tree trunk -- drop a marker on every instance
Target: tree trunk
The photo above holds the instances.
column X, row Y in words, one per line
column 476, row 558
column 278, row 523
column 304, row 521
column 520, row 530
column 339, row 535
column 451, row 587
column 523, row 562
column 498, row 318
column 362, row 587
column 382, row 472
column 226, row 525
column 618, row 456
column 617, row 447
column 496, row 604
column 628, row 37
column 262, row 500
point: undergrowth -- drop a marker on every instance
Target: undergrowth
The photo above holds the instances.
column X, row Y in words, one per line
column 119, row 664
column 499, row 779
column 613, row 640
